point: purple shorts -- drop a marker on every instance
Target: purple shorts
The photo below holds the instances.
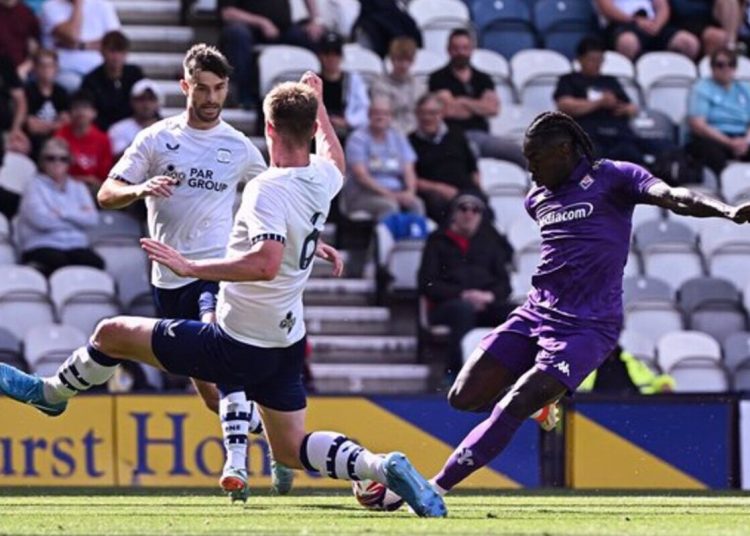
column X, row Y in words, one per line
column 567, row 352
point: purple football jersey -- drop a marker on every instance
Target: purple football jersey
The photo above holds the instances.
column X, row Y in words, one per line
column 585, row 225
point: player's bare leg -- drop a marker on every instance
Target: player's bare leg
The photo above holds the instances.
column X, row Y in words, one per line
column 337, row 456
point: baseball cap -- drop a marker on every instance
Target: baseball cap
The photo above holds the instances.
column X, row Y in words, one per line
column 143, row 85
column 331, row 42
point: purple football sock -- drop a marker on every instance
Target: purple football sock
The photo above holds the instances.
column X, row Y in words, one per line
column 479, row 447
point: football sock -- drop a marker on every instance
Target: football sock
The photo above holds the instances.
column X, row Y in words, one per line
column 337, row 456
column 479, row 447
column 85, row 368
column 234, row 410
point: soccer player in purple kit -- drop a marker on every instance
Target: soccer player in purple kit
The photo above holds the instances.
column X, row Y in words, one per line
column 573, row 314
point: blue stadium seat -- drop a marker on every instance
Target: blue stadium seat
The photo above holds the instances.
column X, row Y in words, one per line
column 504, row 26
column 561, row 24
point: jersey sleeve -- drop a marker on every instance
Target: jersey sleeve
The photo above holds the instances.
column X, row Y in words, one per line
column 264, row 213
column 633, row 181
column 134, row 166
column 255, row 164
column 330, row 172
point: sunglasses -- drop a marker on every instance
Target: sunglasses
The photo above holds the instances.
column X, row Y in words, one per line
column 470, row 208
column 723, row 64
column 56, row 158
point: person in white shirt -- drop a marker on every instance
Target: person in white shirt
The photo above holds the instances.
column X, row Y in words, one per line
column 146, row 99
column 259, row 338
column 75, row 28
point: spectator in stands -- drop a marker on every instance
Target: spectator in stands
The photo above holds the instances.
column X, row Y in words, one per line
column 399, row 85
column 75, row 28
column 13, row 109
column 249, row 22
column 381, row 21
column 446, row 165
column 91, row 153
column 47, row 101
column 719, row 115
column 636, row 26
column 381, row 164
column 145, row 100
column 464, row 274
column 344, row 94
column 624, row 374
column 715, row 23
column 54, row 214
column 19, row 35
column 599, row 104
column 470, row 100
column 111, row 83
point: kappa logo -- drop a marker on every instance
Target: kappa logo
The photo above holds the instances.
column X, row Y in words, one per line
column 576, row 211
column 169, row 328
column 173, row 147
column 586, row 182
column 288, row 322
column 223, row 156
column 563, row 367
column 465, row 457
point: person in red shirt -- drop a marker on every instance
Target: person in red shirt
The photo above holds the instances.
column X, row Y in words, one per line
column 19, row 35
column 89, row 146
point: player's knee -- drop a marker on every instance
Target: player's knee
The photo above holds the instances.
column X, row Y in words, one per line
column 460, row 399
column 108, row 336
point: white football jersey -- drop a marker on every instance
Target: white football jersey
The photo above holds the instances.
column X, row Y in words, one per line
column 197, row 219
column 289, row 205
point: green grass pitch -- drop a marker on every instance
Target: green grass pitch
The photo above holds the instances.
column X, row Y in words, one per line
column 61, row 512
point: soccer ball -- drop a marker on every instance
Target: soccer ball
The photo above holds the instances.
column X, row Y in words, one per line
column 375, row 496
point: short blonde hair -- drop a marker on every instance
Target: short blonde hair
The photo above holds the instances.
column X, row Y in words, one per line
column 403, row 47
column 54, row 143
column 292, row 108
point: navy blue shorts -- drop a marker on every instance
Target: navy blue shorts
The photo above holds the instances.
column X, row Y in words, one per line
column 191, row 301
column 270, row 376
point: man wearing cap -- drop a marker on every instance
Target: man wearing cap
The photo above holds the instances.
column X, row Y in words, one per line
column 112, row 82
column 464, row 274
column 146, row 100
column 344, row 94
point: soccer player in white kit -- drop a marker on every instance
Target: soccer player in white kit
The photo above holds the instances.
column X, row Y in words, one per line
column 187, row 169
column 259, row 337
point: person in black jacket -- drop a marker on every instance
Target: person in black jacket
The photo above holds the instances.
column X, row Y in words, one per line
column 464, row 274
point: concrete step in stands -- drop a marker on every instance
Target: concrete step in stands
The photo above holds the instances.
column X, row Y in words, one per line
column 145, row 38
column 375, row 379
column 363, row 349
column 331, row 291
column 161, row 12
column 329, row 320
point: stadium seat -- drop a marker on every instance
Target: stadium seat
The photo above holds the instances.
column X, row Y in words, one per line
column 699, row 376
column 398, row 260
column 741, row 378
column 653, row 125
column 646, row 293
column 664, row 235
column 363, row 61
column 496, row 66
column 620, row 66
column 472, row 339
column 7, row 253
column 638, row 345
column 124, row 261
column 737, row 350
column 673, row 266
column 644, row 213
column 713, row 306
column 653, row 323
column 507, row 207
column 526, row 240
column 82, row 296
column 16, row 172
column 512, row 121
column 47, row 346
column 135, row 294
column 116, row 227
column 23, row 299
column 425, row 63
column 561, row 24
column 666, row 79
column 678, row 346
column 668, row 251
column 282, row 63
column 633, row 265
column 535, row 74
column 520, row 285
column 10, row 350
column 741, row 73
column 735, row 182
column 501, row 176
column 437, row 18
column 504, row 26
column 340, row 15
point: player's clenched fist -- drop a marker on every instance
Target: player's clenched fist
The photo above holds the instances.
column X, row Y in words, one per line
column 313, row 80
column 159, row 186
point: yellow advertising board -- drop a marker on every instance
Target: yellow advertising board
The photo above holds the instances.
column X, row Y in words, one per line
column 74, row 449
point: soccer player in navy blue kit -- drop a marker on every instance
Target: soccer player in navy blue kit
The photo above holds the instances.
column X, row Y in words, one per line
column 572, row 316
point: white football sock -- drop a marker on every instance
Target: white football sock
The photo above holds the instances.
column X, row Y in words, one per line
column 234, row 410
column 337, row 456
column 79, row 372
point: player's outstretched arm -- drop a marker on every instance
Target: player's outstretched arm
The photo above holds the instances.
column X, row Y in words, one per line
column 690, row 203
column 327, row 144
column 118, row 194
column 262, row 263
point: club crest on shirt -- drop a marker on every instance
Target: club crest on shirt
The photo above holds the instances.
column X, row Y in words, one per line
column 586, row 182
column 223, row 156
column 288, row 322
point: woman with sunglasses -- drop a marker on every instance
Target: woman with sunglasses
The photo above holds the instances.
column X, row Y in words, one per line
column 719, row 114
column 54, row 214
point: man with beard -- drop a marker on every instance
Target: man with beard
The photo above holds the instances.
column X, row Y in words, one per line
column 469, row 99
